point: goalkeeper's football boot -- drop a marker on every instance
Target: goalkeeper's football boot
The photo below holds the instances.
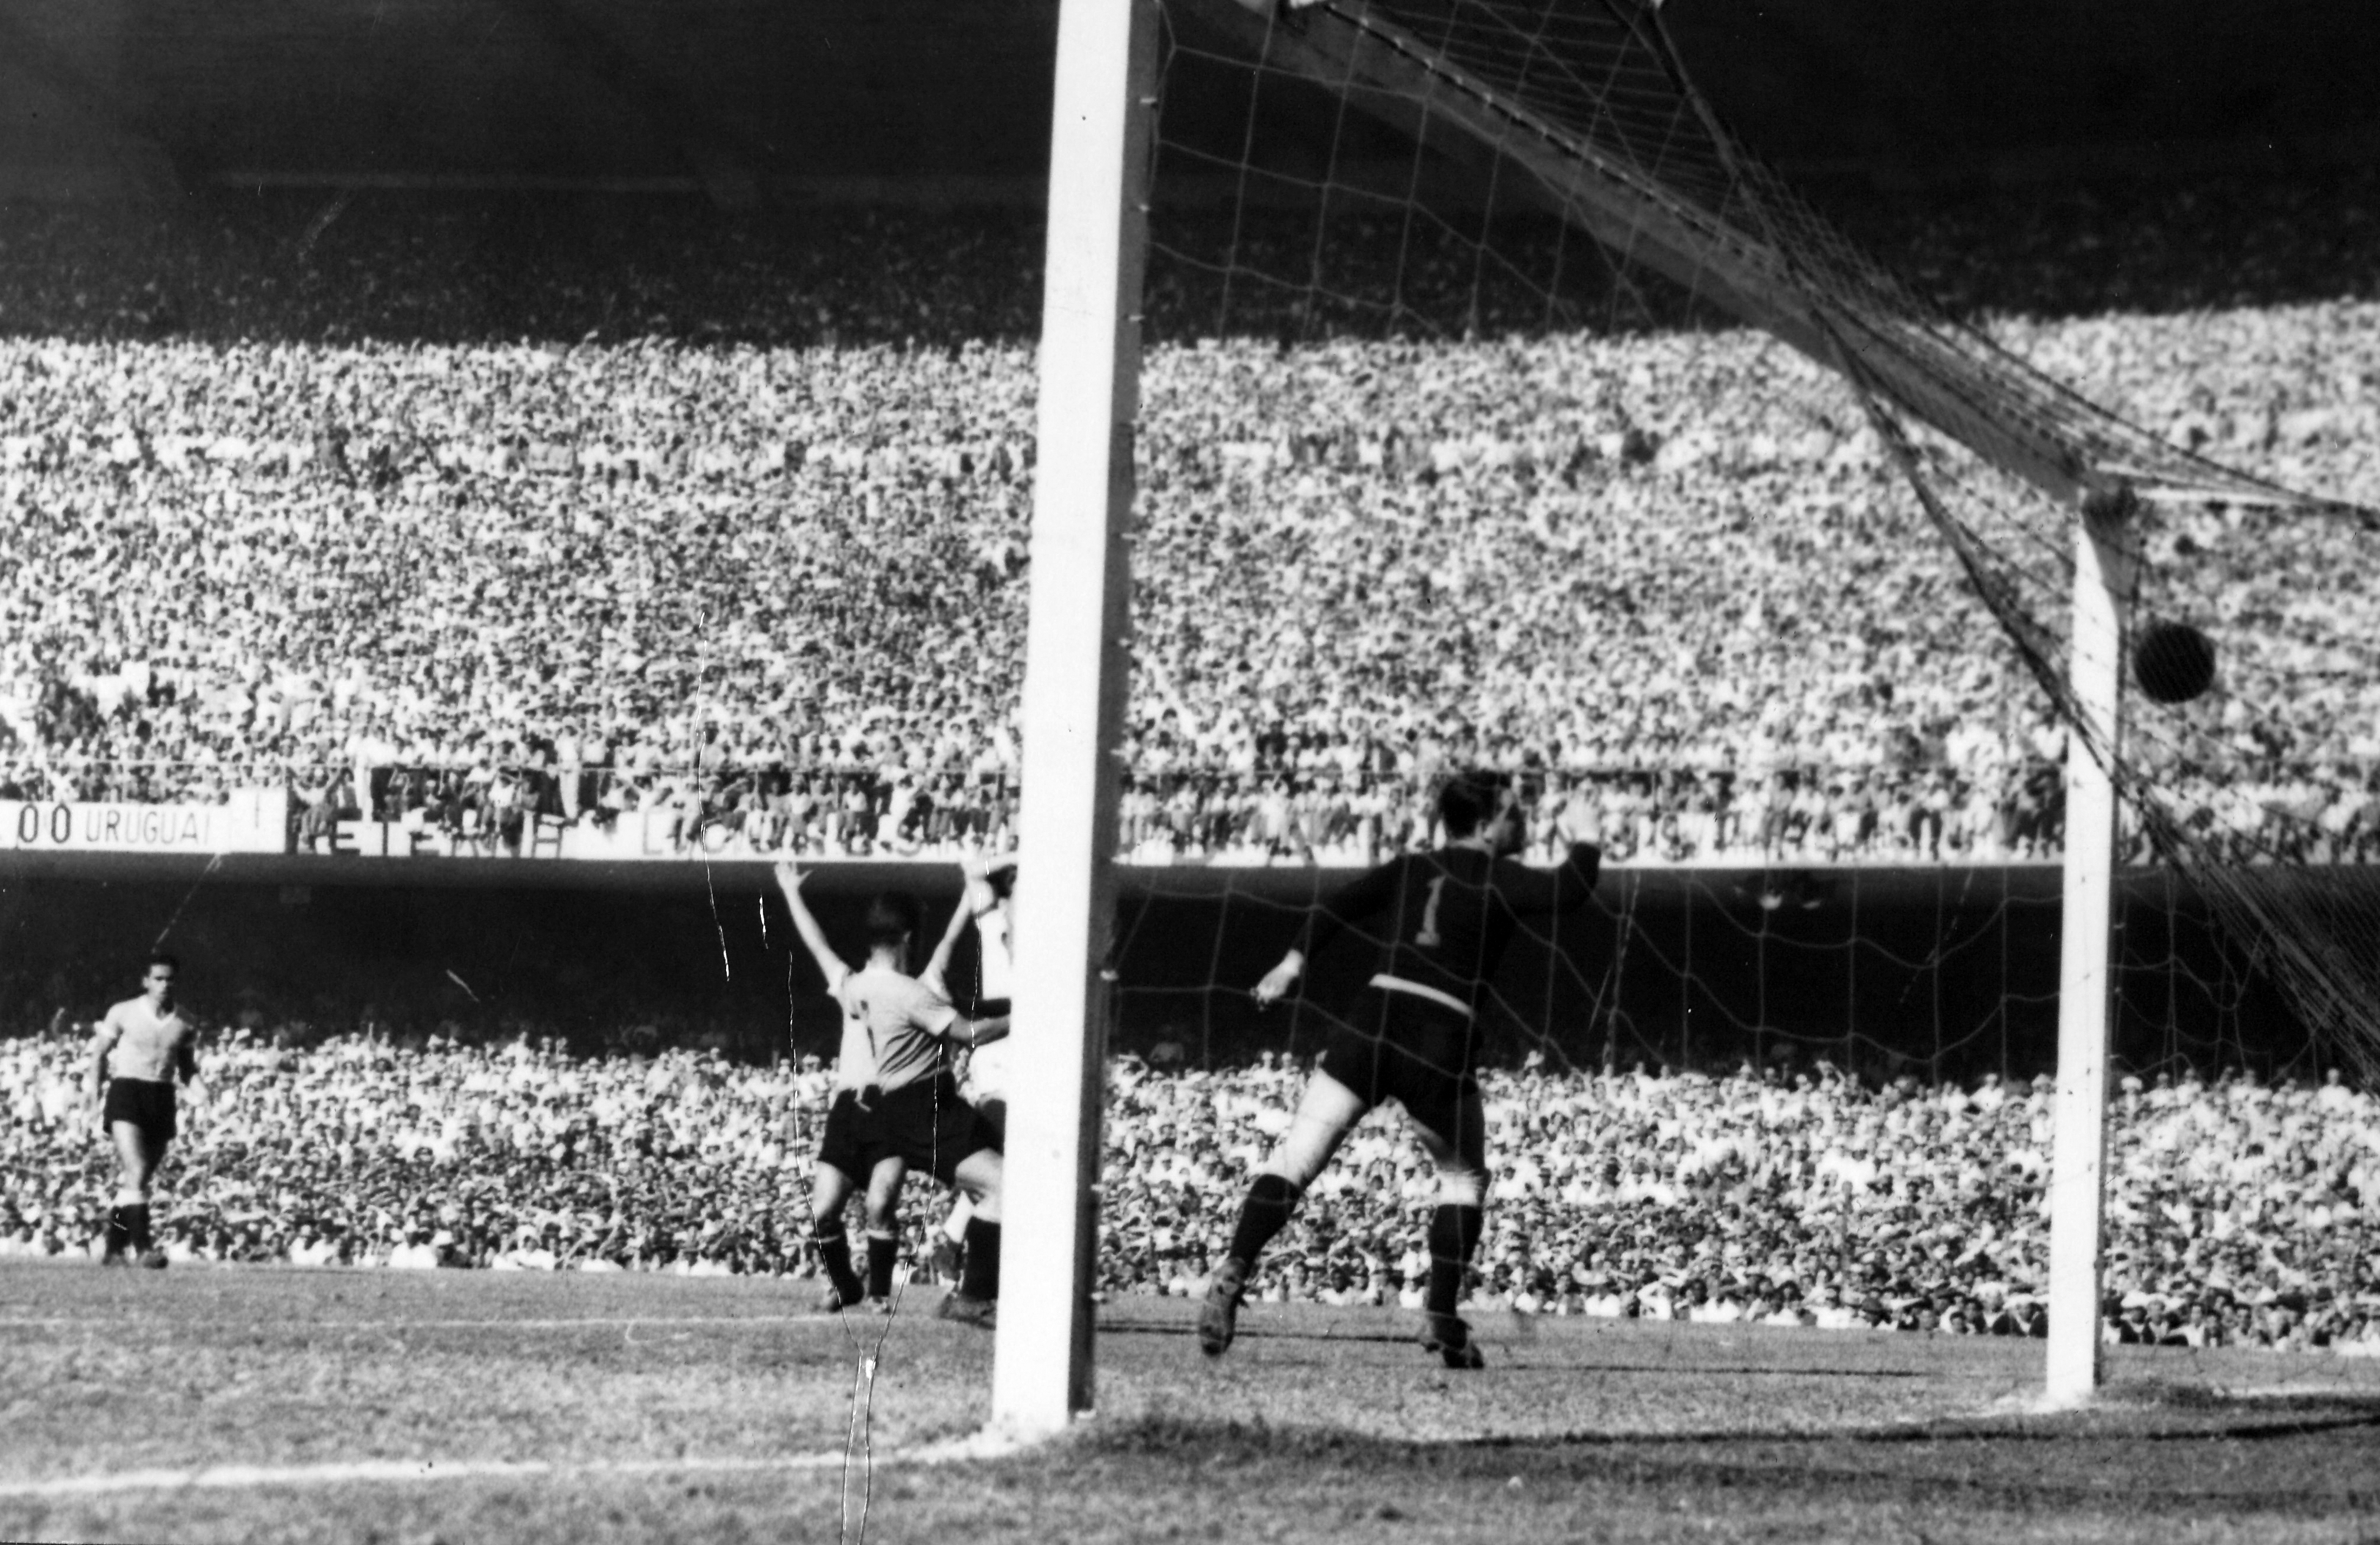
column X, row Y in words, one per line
column 1218, row 1317
column 1446, row 1336
column 967, row 1309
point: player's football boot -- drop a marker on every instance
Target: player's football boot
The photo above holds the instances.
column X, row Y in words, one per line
column 838, row 1297
column 1218, row 1317
column 154, row 1260
column 116, row 1258
column 964, row 1310
column 874, row 1304
column 1446, row 1336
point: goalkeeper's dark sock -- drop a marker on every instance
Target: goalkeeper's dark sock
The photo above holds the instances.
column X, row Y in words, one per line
column 834, row 1254
column 883, row 1249
column 981, row 1277
column 119, row 1229
column 136, row 1218
column 1271, row 1200
column 1453, row 1234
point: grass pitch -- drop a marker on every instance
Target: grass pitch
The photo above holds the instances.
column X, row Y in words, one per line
column 275, row 1404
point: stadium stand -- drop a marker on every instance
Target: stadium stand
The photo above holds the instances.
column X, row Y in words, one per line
column 2240, row 1213
column 701, row 515
column 457, row 539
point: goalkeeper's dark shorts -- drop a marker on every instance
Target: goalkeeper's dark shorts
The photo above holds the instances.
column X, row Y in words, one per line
column 1400, row 1047
column 148, row 1104
column 930, row 1126
column 854, row 1141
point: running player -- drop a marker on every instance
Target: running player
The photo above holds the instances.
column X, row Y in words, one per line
column 137, row 1051
column 1409, row 1037
column 988, row 905
column 923, row 1121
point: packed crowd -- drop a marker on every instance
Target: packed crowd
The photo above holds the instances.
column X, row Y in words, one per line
column 767, row 574
column 2240, row 1212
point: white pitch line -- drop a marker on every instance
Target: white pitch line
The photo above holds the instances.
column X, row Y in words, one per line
column 239, row 1478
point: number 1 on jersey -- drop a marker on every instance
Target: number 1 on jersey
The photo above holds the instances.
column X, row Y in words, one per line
column 1428, row 937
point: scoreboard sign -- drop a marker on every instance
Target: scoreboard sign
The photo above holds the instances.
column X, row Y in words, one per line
column 250, row 821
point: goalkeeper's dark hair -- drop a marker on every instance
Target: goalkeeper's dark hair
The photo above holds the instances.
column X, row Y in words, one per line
column 892, row 917
column 1470, row 797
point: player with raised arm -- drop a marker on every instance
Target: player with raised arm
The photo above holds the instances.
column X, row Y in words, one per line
column 137, row 1051
column 988, row 905
column 922, row 1121
column 851, row 1151
column 1409, row 1037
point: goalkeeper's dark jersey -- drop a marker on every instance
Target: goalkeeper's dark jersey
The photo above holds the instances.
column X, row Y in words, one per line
column 1442, row 919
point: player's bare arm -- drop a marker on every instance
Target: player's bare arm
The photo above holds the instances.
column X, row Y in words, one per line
column 789, row 884
column 977, row 1033
column 104, row 1037
column 936, row 976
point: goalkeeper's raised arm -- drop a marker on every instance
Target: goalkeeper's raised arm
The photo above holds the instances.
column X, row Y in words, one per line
column 1451, row 911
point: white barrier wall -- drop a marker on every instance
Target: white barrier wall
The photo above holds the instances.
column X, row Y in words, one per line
column 654, row 835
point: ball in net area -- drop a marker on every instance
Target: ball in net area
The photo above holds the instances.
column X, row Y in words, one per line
column 2173, row 663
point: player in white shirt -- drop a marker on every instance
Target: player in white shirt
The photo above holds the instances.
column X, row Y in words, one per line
column 988, row 905
column 137, row 1050
column 912, row 1032
column 851, row 1152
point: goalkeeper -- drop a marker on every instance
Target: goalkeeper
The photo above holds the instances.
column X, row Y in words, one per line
column 1445, row 917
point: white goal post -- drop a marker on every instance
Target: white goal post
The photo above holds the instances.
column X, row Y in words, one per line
column 1075, row 676
column 1102, row 127
column 2079, row 1120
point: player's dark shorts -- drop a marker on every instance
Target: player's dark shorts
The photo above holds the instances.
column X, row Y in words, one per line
column 148, row 1104
column 930, row 1126
column 1400, row 1046
column 854, row 1133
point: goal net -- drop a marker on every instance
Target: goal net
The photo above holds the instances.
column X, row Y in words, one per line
column 1535, row 422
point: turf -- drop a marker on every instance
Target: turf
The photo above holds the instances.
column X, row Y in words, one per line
column 518, row 1407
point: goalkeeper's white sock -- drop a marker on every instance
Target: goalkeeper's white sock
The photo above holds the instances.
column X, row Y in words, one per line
column 956, row 1224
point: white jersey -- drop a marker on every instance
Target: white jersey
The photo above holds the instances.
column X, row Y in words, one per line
column 987, row 1069
column 140, row 1042
column 903, row 1021
column 855, row 1062
column 992, row 935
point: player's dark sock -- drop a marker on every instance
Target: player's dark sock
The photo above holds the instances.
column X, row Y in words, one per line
column 119, row 1229
column 883, row 1249
column 1453, row 1234
column 834, row 1254
column 1271, row 1200
column 981, row 1278
column 136, row 1219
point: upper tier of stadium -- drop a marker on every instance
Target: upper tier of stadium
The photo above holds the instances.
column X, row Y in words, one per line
column 457, row 480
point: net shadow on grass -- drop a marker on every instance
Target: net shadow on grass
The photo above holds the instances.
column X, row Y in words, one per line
column 2308, row 1464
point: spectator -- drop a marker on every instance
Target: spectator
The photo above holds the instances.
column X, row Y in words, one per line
column 2238, row 1210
